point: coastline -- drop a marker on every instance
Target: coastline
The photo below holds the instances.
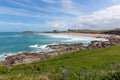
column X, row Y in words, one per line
column 65, row 39
column 28, row 57
column 90, row 35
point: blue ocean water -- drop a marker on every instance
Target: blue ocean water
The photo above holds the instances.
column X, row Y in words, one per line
column 13, row 42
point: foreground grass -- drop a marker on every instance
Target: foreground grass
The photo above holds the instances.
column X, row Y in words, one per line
column 96, row 64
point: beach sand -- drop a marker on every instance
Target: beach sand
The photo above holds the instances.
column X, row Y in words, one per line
column 91, row 35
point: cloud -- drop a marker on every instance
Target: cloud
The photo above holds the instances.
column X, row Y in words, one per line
column 24, row 13
column 58, row 24
column 49, row 1
column 64, row 3
column 62, row 14
column 108, row 18
column 19, row 24
column 67, row 3
column 116, row 0
column 65, row 8
column 104, row 19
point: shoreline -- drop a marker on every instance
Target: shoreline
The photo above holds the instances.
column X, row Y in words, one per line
column 59, row 49
column 90, row 35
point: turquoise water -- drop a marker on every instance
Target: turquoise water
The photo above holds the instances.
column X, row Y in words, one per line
column 13, row 43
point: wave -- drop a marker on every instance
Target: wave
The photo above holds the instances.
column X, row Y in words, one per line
column 85, row 39
column 4, row 55
column 55, row 35
column 61, row 36
column 73, row 39
column 35, row 46
column 41, row 46
column 70, row 38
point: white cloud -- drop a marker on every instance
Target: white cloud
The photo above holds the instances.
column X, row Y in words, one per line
column 116, row 0
column 19, row 24
column 24, row 13
column 64, row 3
column 64, row 7
column 58, row 24
column 49, row 1
column 67, row 3
column 104, row 19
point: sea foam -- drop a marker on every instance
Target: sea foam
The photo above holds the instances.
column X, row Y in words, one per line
column 71, row 38
column 35, row 46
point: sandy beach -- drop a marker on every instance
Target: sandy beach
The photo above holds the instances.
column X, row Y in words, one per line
column 91, row 35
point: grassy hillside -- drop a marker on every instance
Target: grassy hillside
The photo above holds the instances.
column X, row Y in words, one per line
column 96, row 64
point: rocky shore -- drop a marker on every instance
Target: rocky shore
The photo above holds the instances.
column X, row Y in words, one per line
column 58, row 50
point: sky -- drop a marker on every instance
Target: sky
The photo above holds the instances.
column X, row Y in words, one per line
column 47, row 15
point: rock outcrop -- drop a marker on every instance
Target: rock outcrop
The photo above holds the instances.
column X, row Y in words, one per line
column 103, row 44
column 24, row 58
column 67, row 47
column 98, row 44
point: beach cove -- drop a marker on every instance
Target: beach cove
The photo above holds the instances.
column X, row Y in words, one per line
column 16, row 43
column 74, row 43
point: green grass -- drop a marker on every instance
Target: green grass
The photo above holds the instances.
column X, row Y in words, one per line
column 95, row 64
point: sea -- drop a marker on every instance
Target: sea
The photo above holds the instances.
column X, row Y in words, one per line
column 12, row 43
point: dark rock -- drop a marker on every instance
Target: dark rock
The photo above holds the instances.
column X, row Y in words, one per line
column 102, row 44
column 99, row 44
column 24, row 58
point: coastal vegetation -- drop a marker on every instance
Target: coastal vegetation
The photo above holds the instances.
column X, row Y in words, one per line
column 112, row 31
column 94, row 64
